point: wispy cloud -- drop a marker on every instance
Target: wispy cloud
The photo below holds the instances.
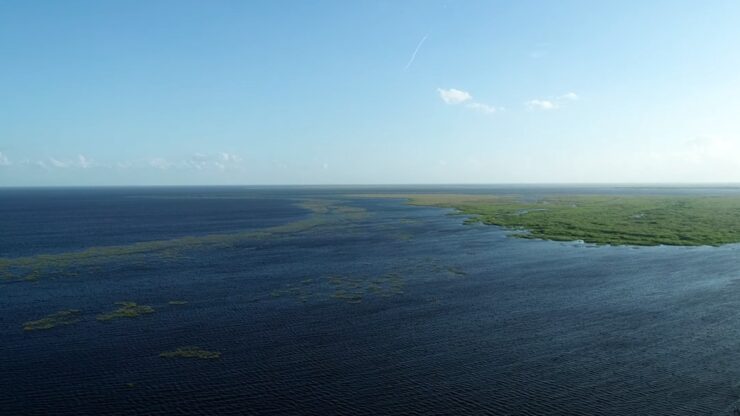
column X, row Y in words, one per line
column 221, row 161
column 551, row 103
column 537, row 104
column 80, row 162
column 160, row 163
column 454, row 96
column 483, row 108
column 571, row 96
column 416, row 50
column 4, row 161
column 58, row 163
column 230, row 157
column 83, row 162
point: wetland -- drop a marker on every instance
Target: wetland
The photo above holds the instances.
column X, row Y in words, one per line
column 429, row 300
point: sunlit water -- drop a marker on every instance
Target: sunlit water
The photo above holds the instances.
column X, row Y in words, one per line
column 401, row 310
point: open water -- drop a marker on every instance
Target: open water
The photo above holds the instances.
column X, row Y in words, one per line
column 356, row 307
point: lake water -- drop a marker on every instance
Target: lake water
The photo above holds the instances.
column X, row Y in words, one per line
column 323, row 303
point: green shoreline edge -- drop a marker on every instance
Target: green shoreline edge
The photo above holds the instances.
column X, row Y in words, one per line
column 638, row 220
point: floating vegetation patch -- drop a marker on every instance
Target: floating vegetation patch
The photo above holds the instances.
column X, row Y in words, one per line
column 355, row 289
column 31, row 268
column 127, row 310
column 455, row 271
column 300, row 292
column 349, row 297
column 348, row 289
column 191, row 352
column 65, row 317
column 404, row 236
column 432, row 269
column 177, row 302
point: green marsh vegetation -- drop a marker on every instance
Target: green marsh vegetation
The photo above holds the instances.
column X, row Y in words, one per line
column 91, row 260
column 64, row 317
column 126, row 310
column 191, row 352
column 72, row 316
column 601, row 219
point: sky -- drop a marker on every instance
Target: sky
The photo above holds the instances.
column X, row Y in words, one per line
column 184, row 92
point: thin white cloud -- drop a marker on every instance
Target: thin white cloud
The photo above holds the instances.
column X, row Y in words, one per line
column 230, row 157
column 221, row 161
column 83, row 162
column 483, row 108
column 160, row 163
column 58, row 163
column 454, row 96
column 80, row 162
column 541, row 105
column 551, row 103
column 416, row 50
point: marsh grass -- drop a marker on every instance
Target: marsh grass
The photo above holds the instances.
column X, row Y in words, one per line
column 349, row 289
column 126, row 310
column 455, row 271
column 191, row 352
column 90, row 260
column 64, row 317
column 611, row 219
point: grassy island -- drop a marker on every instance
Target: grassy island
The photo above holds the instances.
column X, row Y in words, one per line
column 66, row 317
column 603, row 219
column 126, row 310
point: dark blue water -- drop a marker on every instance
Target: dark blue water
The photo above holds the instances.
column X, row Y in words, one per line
column 451, row 319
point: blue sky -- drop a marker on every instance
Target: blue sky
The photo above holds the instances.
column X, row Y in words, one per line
column 376, row 92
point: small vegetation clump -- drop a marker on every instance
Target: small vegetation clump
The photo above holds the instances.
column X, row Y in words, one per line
column 349, row 297
column 455, row 271
column 65, row 317
column 177, row 302
column 191, row 352
column 127, row 310
column 344, row 288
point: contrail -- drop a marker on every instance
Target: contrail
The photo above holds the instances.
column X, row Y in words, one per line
column 413, row 55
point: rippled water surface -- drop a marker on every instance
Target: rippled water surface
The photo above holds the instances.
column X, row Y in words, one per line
column 324, row 303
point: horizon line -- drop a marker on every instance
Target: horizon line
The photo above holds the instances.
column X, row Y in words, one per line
column 350, row 185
